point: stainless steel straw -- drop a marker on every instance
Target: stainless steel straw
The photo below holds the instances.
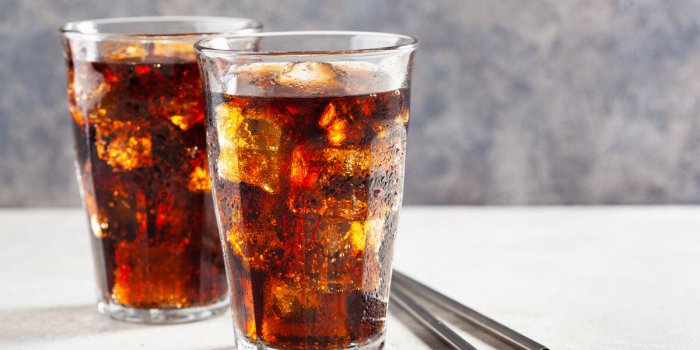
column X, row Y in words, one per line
column 436, row 326
column 401, row 283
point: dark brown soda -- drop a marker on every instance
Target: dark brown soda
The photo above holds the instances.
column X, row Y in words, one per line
column 308, row 190
column 140, row 138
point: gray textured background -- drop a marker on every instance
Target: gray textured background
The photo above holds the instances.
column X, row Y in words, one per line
column 514, row 102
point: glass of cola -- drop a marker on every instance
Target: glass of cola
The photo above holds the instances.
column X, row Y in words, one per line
column 135, row 96
column 306, row 137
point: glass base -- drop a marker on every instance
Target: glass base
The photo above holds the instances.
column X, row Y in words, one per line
column 161, row 316
column 374, row 344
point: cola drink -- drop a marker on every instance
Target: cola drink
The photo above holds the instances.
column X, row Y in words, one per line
column 142, row 165
column 308, row 182
column 137, row 106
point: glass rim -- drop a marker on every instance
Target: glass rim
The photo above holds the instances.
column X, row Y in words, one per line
column 86, row 29
column 204, row 46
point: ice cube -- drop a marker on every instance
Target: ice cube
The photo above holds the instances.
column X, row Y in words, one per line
column 329, row 257
column 228, row 117
column 286, row 299
column 257, row 168
column 316, row 73
column 258, row 135
column 266, row 70
column 310, row 77
column 330, row 181
column 185, row 121
column 256, row 247
column 338, row 251
column 199, row 179
column 335, row 125
column 174, row 49
column 249, row 147
column 184, row 112
column 345, row 122
column 196, row 166
column 123, row 145
column 119, row 51
column 86, row 89
column 254, row 226
column 301, row 309
column 227, row 166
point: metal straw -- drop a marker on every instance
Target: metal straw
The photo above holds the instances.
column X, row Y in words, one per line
column 436, row 326
column 470, row 315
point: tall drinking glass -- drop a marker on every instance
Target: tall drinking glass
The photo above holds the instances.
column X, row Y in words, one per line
column 134, row 92
column 307, row 140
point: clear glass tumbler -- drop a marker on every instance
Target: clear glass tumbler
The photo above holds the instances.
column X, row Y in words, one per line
column 135, row 95
column 307, row 141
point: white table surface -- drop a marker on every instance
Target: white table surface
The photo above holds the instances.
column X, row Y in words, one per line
column 571, row 278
